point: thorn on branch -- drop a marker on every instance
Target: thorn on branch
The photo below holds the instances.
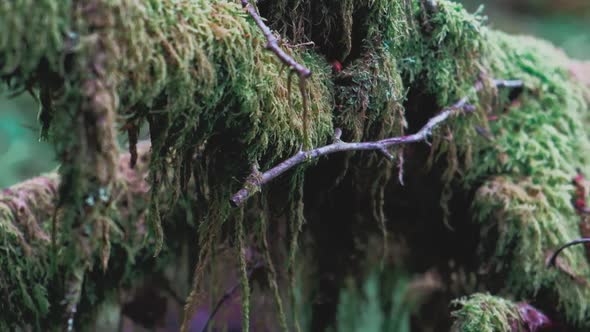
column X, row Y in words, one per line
column 256, row 180
column 386, row 153
column 483, row 132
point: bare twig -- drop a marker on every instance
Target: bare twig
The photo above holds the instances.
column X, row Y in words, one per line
column 228, row 295
column 553, row 258
column 300, row 45
column 257, row 179
column 273, row 42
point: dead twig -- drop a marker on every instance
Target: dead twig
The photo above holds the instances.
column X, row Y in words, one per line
column 273, row 43
column 257, row 179
column 553, row 258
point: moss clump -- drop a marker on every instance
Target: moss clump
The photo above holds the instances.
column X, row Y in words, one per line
column 35, row 32
column 486, row 313
column 206, row 61
column 25, row 228
column 436, row 50
column 369, row 93
column 527, row 170
column 37, row 289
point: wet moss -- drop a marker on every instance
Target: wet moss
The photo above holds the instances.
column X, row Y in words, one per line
column 539, row 142
column 486, row 313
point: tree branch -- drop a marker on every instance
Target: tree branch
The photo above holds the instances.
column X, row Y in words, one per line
column 553, row 258
column 256, row 179
column 273, row 42
column 228, row 295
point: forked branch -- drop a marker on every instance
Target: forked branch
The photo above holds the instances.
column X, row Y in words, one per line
column 257, row 179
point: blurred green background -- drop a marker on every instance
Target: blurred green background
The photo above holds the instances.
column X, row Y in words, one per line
column 22, row 155
column 566, row 23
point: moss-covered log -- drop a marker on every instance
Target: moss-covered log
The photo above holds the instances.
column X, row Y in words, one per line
column 215, row 102
column 34, row 292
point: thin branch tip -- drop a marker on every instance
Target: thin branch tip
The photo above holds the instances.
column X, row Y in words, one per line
column 387, row 154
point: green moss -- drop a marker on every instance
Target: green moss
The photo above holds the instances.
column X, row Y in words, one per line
column 199, row 73
column 438, row 51
column 369, row 93
column 34, row 32
column 25, row 226
column 485, row 313
column 206, row 61
column 528, row 168
column 34, row 281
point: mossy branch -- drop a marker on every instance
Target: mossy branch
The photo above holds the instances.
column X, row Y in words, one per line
column 26, row 211
column 256, row 180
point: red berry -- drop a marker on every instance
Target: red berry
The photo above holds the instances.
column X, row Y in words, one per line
column 336, row 66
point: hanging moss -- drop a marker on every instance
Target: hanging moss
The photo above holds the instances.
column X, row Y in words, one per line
column 369, row 93
column 443, row 59
column 34, row 32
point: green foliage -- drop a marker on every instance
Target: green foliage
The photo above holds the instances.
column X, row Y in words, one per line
column 528, row 168
column 369, row 95
column 382, row 303
column 436, row 51
column 25, row 259
column 22, row 156
column 485, row 313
